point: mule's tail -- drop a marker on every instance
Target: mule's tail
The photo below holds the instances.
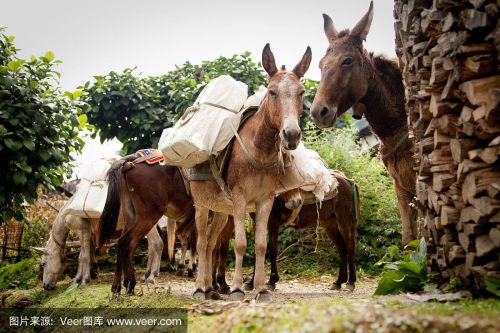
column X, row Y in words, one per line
column 109, row 217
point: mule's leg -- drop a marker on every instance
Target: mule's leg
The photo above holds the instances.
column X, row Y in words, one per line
column 94, row 271
column 201, row 247
column 215, row 263
column 333, row 232
column 263, row 209
column 192, row 256
column 218, row 223
column 408, row 214
column 155, row 248
column 223, row 255
column 249, row 283
column 273, row 229
column 182, row 258
column 128, row 243
column 84, row 262
column 240, row 246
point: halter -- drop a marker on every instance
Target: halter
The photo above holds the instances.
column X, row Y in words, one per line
column 59, row 244
column 403, row 140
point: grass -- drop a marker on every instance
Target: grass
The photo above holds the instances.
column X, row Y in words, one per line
column 366, row 315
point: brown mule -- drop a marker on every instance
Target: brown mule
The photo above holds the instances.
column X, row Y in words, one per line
column 252, row 176
column 139, row 195
column 373, row 86
column 339, row 216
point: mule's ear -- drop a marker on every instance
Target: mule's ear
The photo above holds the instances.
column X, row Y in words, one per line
column 38, row 250
column 302, row 67
column 363, row 27
column 330, row 31
column 268, row 61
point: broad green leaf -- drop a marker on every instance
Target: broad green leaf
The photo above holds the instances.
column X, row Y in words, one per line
column 49, row 55
column 12, row 144
column 19, row 178
column 15, row 64
column 28, row 143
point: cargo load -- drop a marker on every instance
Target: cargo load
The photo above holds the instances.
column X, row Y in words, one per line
column 206, row 127
column 90, row 196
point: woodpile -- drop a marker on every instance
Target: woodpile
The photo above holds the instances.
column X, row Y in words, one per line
column 448, row 52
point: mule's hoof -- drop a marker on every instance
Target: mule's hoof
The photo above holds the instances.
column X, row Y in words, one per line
column 248, row 286
column 180, row 272
column 264, row 296
column 190, row 273
column 350, row 286
column 199, row 295
column 237, row 295
column 116, row 288
column 271, row 287
column 335, row 286
column 224, row 289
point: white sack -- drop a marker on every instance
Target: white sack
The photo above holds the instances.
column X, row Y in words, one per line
column 207, row 129
column 90, row 196
column 256, row 98
column 308, row 172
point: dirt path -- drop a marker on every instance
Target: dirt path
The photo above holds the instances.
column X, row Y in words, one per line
column 288, row 290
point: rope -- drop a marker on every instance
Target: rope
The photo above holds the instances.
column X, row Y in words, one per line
column 256, row 163
column 393, row 149
column 190, row 111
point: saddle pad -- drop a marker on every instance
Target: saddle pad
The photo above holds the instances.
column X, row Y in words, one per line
column 152, row 155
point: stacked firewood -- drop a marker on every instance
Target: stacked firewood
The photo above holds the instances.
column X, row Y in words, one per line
column 448, row 52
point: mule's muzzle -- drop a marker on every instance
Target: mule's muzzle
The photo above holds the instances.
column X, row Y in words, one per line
column 291, row 137
column 49, row 285
column 323, row 115
column 294, row 203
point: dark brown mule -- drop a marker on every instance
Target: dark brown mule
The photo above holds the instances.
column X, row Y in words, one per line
column 253, row 173
column 350, row 77
column 139, row 195
column 339, row 216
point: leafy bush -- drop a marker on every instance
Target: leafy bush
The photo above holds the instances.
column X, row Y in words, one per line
column 404, row 271
column 135, row 110
column 22, row 275
column 380, row 225
column 39, row 127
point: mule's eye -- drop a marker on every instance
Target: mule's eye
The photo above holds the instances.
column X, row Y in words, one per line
column 347, row 62
column 273, row 93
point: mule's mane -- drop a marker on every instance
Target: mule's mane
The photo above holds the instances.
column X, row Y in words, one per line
column 388, row 72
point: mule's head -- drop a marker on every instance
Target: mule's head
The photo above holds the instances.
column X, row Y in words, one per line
column 345, row 71
column 284, row 97
column 52, row 264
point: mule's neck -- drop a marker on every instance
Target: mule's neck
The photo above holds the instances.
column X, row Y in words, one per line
column 266, row 137
column 384, row 113
column 60, row 232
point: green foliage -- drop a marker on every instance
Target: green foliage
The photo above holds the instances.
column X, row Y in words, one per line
column 22, row 275
column 406, row 271
column 35, row 233
column 39, row 127
column 136, row 109
column 380, row 225
column 492, row 285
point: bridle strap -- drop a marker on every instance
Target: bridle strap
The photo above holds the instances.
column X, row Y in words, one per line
column 255, row 162
column 59, row 244
column 404, row 139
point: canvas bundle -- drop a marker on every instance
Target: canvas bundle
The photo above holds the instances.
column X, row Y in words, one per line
column 90, row 196
column 308, row 172
column 207, row 127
